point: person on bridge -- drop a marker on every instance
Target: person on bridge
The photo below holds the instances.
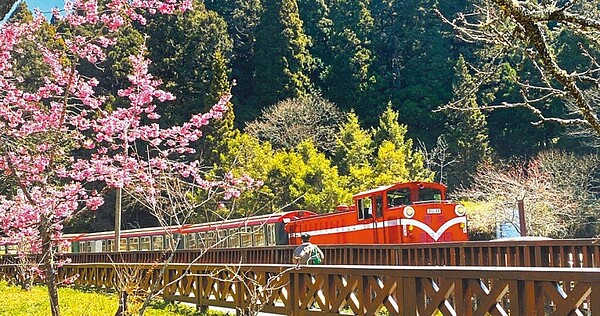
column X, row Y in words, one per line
column 307, row 253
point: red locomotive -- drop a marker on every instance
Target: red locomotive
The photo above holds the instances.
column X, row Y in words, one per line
column 415, row 212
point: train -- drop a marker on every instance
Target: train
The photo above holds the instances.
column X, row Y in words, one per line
column 412, row 212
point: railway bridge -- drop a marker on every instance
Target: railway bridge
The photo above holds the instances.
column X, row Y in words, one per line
column 554, row 277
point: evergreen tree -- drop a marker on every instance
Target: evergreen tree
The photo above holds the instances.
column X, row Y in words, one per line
column 350, row 78
column 242, row 17
column 217, row 133
column 5, row 7
column 282, row 59
column 30, row 64
column 188, row 50
column 467, row 131
column 305, row 179
column 317, row 23
column 353, row 154
column 396, row 160
column 415, row 58
column 242, row 154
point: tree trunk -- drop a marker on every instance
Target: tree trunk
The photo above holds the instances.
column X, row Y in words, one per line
column 122, row 311
column 49, row 265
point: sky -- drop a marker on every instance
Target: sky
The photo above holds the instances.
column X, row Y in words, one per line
column 45, row 5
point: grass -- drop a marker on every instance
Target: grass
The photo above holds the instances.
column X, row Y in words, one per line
column 74, row 302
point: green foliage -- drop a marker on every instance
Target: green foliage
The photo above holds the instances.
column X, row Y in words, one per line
column 317, row 25
column 354, row 149
column 467, row 131
column 30, row 64
column 350, row 78
column 282, row 59
column 298, row 178
column 381, row 157
column 189, row 53
column 218, row 131
column 5, row 6
column 304, row 179
column 73, row 302
column 242, row 17
column 396, row 160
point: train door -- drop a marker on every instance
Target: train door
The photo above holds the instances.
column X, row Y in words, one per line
column 365, row 221
column 378, row 223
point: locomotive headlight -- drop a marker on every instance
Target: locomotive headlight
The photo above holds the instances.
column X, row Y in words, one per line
column 460, row 210
column 409, row 212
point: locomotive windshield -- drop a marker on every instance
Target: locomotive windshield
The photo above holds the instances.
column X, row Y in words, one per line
column 398, row 197
column 430, row 194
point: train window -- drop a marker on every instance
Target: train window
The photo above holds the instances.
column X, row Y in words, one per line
column 378, row 206
column 246, row 237
column 222, row 241
column 134, row 243
column 74, row 247
column 157, row 243
column 210, row 239
column 145, row 243
column 430, row 194
column 172, row 241
column 103, row 245
column 110, row 245
column 234, row 238
column 190, row 241
column 123, row 246
column 258, row 236
column 365, row 209
column 398, row 197
column 271, row 239
column 202, row 240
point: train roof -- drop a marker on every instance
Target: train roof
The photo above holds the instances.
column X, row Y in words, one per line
column 188, row 228
column 413, row 184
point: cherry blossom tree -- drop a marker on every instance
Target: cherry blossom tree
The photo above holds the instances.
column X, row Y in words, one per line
column 64, row 144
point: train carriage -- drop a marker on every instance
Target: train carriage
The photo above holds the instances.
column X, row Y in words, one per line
column 415, row 212
column 253, row 231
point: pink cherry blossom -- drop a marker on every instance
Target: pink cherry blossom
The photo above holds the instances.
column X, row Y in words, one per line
column 42, row 129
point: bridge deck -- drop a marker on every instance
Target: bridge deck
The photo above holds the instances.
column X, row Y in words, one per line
column 362, row 290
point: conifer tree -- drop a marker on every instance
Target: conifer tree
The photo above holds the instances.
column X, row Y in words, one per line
column 304, row 178
column 317, row 24
column 30, row 64
column 216, row 134
column 185, row 49
column 242, row 17
column 467, row 131
column 396, row 160
column 5, row 7
column 353, row 154
column 282, row 59
column 350, row 78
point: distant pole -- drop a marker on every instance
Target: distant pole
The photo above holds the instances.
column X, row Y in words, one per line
column 522, row 225
column 118, row 221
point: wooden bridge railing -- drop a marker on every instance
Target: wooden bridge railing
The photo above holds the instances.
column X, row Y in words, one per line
column 365, row 290
column 546, row 253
